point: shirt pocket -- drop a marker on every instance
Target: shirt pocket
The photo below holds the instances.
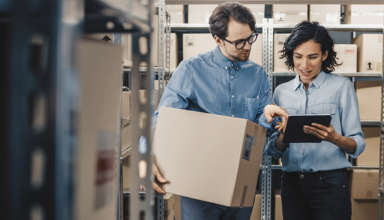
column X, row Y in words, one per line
column 252, row 107
column 323, row 108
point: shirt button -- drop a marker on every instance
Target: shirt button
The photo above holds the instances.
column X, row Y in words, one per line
column 233, row 96
column 233, row 115
column 232, row 77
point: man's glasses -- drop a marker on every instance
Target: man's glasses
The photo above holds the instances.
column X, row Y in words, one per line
column 240, row 44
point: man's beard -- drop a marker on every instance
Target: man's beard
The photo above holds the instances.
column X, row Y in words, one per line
column 243, row 56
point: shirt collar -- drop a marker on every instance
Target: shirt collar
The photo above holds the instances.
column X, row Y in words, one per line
column 317, row 82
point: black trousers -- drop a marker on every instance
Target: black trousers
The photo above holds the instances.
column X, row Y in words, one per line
column 323, row 195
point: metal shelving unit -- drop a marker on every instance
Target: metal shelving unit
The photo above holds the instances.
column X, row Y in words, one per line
column 37, row 154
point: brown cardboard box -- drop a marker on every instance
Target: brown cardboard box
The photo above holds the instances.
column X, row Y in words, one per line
column 172, row 207
column 199, row 14
column 96, row 164
column 369, row 52
column 289, row 13
column 278, row 64
column 364, row 210
column 364, row 14
column 278, row 208
column 347, row 57
column 365, row 184
column 370, row 156
column 325, row 14
column 256, row 211
column 369, row 96
column 209, row 157
column 195, row 44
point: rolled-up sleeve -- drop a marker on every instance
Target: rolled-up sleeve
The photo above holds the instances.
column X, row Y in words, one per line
column 350, row 118
column 177, row 92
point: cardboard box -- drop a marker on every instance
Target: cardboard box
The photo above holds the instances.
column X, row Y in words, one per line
column 325, row 14
column 364, row 14
column 176, row 13
column 278, row 208
column 347, row 57
column 209, row 157
column 289, row 13
column 199, row 14
column 369, row 98
column 195, row 44
column 365, row 184
column 96, row 164
column 369, row 52
column 364, row 210
column 256, row 211
column 278, row 64
column 370, row 156
column 172, row 207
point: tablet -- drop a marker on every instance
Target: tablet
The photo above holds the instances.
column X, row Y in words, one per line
column 294, row 132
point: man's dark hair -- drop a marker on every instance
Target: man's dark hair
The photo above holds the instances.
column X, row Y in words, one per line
column 304, row 32
column 218, row 22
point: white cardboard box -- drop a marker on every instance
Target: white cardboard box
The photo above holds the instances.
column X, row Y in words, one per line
column 325, row 14
column 96, row 164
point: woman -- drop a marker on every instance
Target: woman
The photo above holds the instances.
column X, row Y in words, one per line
column 315, row 181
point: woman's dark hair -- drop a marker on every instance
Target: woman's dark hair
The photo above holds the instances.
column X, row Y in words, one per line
column 218, row 21
column 304, row 32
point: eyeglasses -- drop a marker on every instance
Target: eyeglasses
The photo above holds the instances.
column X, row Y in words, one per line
column 240, row 44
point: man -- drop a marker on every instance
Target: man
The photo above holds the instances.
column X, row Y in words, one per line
column 224, row 82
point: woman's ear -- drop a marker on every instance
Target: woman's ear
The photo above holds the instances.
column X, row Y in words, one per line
column 324, row 56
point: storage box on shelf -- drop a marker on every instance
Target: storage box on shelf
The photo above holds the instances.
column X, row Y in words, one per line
column 370, row 52
column 195, row 44
column 256, row 211
column 278, row 64
column 214, row 158
column 347, row 57
column 289, row 13
column 199, row 14
column 364, row 14
column 370, row 156
column 369, row 98
column 325, row 14
column 364, row 193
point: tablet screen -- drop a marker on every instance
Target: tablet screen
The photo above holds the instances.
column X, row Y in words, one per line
column 294, row 132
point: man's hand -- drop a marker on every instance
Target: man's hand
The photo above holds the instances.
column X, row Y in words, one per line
column 159, row 180
column 271, row 111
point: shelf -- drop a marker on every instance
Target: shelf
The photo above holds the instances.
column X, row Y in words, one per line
column 112, row 16
column 278, row 1
column 370, row 123
column 357, row 76
column 279, row 167
column 196, row 28
column 284, row 28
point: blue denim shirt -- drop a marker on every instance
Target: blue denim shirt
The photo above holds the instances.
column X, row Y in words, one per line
column 212, row 83
column 326, row 94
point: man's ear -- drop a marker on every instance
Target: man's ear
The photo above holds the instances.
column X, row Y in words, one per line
column 218, row 40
